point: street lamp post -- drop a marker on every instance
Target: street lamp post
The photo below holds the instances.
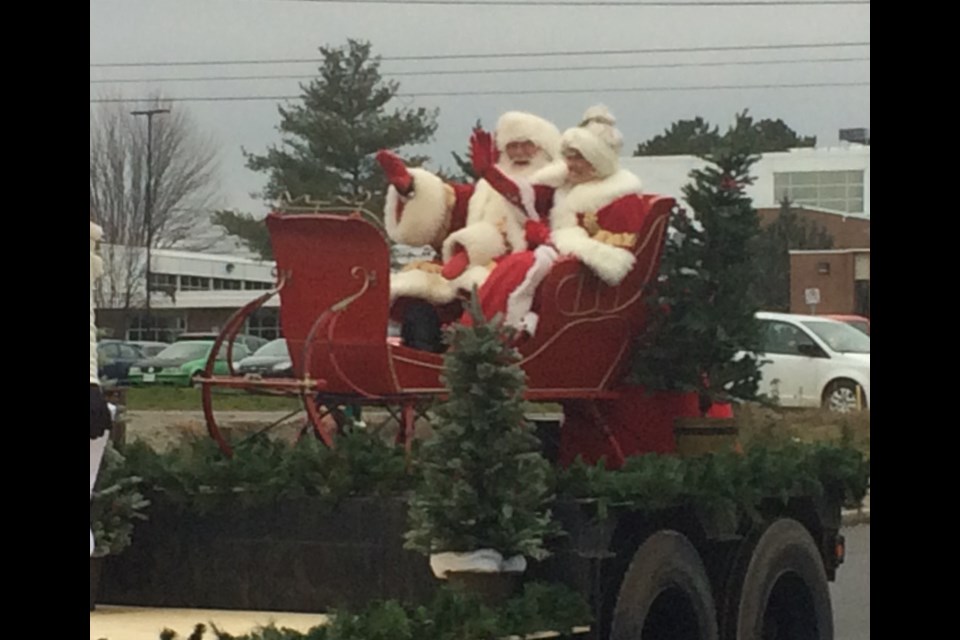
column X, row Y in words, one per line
column 148, row 213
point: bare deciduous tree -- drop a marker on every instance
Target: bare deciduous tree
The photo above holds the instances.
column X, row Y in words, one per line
column 183, row 185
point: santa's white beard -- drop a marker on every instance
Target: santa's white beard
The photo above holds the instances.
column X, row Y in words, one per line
column 513, row 170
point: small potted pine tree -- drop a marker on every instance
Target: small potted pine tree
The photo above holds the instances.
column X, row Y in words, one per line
column 481, row 508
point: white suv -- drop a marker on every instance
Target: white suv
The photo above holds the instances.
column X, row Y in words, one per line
column 812, row 361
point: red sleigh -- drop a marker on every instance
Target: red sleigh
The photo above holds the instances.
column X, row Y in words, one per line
column 333, row 283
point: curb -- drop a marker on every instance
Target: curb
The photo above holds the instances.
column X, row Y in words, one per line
column 853, row 517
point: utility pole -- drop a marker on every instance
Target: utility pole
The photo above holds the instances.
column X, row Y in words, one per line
column 148, row 213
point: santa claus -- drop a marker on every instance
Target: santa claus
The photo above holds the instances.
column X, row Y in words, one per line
column 469, row 225
column 595, row 214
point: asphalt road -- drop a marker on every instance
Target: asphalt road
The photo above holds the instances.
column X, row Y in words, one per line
column 851, row 590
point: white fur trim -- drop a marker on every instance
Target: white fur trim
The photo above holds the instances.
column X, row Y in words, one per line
column 598, row 113
column 481, row 240
column 474, row 276
column 515, row 126
column 552, row 175
column 520, row 300
column 426, row 213
column 487, row 205
column 96, row 232
column 479, row 561
column 591, row 196
column 530, row 323
column 597, row 140
column 611, row 264
column 431, row 287
column 604, row 158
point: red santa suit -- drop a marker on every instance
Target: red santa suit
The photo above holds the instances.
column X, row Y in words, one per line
column 595, row 221
column 471, row 223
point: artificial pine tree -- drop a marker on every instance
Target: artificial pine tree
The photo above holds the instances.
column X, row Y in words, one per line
column 703, row 310
column 484, row 482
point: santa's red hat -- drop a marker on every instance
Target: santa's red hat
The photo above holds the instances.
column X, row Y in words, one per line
column 517, row 126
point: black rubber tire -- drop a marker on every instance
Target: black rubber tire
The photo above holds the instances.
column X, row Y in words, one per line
column 779, row 590
column 665, row 593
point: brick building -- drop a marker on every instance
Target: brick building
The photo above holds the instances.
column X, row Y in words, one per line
column 840, row 276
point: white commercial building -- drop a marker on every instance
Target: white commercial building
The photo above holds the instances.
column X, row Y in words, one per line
column 190, row 291
column 832, row 179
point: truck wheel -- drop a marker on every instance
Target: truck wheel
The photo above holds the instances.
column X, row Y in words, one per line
column 665, row 594
column 779, row 590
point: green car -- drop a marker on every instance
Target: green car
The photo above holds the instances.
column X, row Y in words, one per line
column 181, row 362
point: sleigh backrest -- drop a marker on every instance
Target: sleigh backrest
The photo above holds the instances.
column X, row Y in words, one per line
column 585, row 326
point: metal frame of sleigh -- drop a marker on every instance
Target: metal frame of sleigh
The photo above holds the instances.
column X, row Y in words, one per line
column 333, row 275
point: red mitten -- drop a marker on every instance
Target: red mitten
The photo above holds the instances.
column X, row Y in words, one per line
column 396, row 170
column 456, row 265
column 537, row 232
column 483, row 152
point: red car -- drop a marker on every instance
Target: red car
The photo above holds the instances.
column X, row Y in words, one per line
column 856, row 321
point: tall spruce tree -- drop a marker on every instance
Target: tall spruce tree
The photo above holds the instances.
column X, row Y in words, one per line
column 703, row 310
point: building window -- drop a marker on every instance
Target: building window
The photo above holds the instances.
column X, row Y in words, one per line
column 160, row 328
column 194, row 283
column 823, row 268
column 223, row 284
column 264, row 323
column 163, row 282
column 251, row 285
column 833, row 190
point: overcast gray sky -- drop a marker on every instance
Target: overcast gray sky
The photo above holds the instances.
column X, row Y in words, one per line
column 137, row 31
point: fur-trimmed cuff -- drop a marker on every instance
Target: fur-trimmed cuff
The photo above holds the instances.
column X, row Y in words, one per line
column 611, row 264
column 431, row 287
column 482, row 241
column 422, row 217
column 474, row 276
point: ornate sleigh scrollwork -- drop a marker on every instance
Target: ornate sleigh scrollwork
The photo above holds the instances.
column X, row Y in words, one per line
column 339, row 205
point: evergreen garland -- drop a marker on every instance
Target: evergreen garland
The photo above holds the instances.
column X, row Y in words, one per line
column 116, row 505
column 730, row 485
column 196, row 475
column 451, row 615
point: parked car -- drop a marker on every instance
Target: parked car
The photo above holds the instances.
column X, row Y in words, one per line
column 857, row 322
column 115, row 357
column 813, row 361
column 252, row 343
column 181, row 362
column 272, row 360
column 149, row 349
